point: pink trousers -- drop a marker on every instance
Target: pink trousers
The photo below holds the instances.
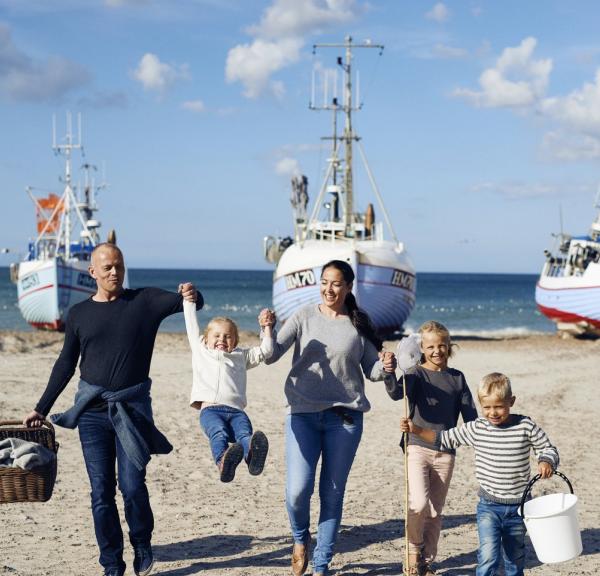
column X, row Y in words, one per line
column 429, row 475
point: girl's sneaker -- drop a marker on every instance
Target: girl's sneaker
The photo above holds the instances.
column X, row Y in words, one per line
column 230, row 460
column 259, row 447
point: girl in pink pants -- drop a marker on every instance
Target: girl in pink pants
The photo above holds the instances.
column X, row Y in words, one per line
column 437, row 396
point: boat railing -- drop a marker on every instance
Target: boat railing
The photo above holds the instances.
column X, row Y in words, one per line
column 323, row 229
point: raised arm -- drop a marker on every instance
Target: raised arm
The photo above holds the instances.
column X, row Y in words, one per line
column 285, row 338
column 192, row 327
column 258, row 354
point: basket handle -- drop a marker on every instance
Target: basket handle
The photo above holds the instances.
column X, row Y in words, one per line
column 530, row 484
column 46, row 423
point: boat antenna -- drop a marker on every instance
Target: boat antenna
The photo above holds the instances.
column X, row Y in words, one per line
column 560, row 216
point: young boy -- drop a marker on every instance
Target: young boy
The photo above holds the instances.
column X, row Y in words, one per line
column 502, row 443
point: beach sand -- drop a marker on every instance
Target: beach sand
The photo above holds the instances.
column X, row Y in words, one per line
column 206, row 527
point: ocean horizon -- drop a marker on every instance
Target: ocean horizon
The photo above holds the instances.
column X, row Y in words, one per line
column 469, row 304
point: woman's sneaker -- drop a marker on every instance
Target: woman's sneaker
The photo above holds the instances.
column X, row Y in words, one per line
column 230, row 460
column 259, row 447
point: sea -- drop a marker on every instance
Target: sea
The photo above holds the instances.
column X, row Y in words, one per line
column 475, row 305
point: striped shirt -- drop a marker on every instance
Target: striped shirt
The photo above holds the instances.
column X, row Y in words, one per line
column 502, row 454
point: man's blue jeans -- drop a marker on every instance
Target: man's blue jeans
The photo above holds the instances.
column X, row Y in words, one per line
column 501, row 533
column 101, row 448
column 224, row 424
column 333, row 437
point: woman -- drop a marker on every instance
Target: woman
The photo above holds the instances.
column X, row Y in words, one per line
column 326, row 401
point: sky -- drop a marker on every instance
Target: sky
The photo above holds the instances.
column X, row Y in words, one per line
column 480, row 120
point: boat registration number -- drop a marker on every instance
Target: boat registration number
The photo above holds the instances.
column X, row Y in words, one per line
column 30, row 281
column 403, row 279
column 300, row 279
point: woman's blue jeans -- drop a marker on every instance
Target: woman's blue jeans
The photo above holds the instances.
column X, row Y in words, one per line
column 332, row 436
column 501, row 534
column 225, row 424
column 101, row 448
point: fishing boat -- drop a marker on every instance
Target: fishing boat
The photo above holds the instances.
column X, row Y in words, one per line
column 53, row 276
column 385, row 282
column 568, row 289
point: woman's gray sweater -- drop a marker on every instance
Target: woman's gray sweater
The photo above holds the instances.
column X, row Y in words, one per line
column 326, row 367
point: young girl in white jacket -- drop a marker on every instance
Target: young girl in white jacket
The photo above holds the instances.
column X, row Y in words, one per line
column 219, row 390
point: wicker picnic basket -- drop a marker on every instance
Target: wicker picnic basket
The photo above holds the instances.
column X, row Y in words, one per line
column 35, row 485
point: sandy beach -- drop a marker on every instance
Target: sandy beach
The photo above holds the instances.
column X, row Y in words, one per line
column 206, row 527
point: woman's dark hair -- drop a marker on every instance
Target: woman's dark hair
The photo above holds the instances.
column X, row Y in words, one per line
column 359, row 318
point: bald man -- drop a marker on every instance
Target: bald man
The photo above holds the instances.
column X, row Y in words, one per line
column 113, row 333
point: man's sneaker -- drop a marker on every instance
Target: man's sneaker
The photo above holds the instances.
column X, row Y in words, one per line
column 114, row 572
column 259, row 446
column 230, row 460
column 143, row 560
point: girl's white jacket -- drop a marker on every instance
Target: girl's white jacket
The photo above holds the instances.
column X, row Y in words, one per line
column 220, row 377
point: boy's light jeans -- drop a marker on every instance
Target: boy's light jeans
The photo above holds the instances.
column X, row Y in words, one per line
column 429, row 475
column 334, row 437
column 501, row 534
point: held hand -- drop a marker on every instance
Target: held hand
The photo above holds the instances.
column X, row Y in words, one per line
column 388, row 359
column 545, row 469
column 188, row 291
column 266, row 318
column 33, row 420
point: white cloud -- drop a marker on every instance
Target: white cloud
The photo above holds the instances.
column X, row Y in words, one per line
column 439, row 13
column 516, row 81
column 287, row 166
column 253, row 64
column 25, row 78
column 579, row 110
column 278, row 40
column 294, row 18
column 570, row 147
column 194, row 105
column 158, row 76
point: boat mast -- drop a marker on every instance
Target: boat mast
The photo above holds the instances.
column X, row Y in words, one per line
column 348, row 136
column 68, row 196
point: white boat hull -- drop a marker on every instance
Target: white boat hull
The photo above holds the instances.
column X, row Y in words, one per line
column 573, row 302
column 48, row 288
column 385, row 282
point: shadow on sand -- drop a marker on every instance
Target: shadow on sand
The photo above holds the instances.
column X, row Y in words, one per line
column 224, row 552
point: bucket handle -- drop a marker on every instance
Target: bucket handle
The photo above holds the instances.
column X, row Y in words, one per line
column 533, row 481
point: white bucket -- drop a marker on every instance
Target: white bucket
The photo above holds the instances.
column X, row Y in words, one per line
column 551, row 522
